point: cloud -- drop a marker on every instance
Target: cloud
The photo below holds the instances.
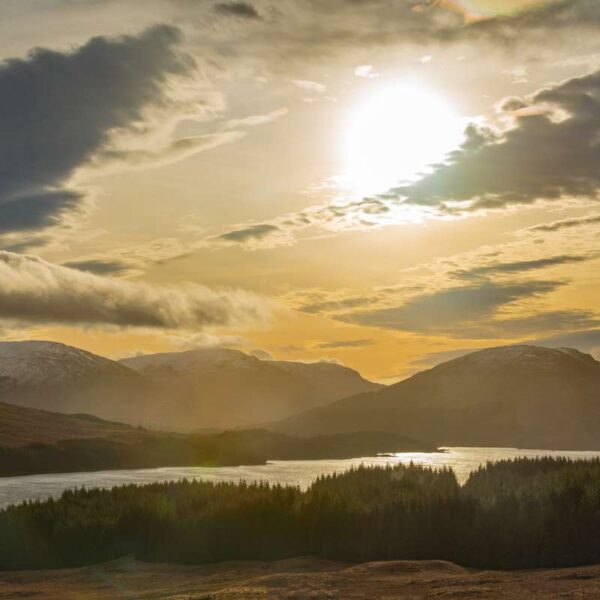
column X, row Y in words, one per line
column 550, row 321
column 519, row 266
column 99, row 266
column 311, row 86
column 336, row 304
column 253, row 232
column 551, row 152
column 57, row 110
column 553, row 16
column 365, row 71
column 565, row 224
column 242, row 10
column 341, row 344
column 203, row 339
column 37, row 211
column 253, row 237
column 34, row 290
column 452, row 311
column 548, row 151
column 130, row 158
column 311, row 30
column 255, row 120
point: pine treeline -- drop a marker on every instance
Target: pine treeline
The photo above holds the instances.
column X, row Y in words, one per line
column 512, row 514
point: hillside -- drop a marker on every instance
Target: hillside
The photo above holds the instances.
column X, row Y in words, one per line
column 38, row 441
column 521, row 396
column 60, row 378
column 223, row 388
column 20, row 426
column 182, row 391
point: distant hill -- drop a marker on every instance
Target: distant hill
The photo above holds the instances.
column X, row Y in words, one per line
column 38, row 441
column 224, row 388
column 186, row 391
column 21, row 426
column 522, row 396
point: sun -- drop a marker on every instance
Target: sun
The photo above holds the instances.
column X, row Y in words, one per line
column 394, row 135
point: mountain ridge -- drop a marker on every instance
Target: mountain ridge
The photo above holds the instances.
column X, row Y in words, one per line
column 490, row 397
column 202, row 389
column 237, row 389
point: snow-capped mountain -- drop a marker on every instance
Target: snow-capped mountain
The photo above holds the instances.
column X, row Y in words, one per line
column 523, row 396
column 60, row 378
column 50, row 363
column 221, row 388
column 201, row 389
column 189, row 361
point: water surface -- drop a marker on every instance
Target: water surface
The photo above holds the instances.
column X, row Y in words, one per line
column 14, row 490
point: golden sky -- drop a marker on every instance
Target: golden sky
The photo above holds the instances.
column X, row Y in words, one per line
column 381, row 184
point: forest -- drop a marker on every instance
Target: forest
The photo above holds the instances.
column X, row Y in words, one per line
column 148, row 449
column 509, row 515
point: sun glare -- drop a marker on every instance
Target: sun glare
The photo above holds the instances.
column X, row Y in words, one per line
column 394, row 135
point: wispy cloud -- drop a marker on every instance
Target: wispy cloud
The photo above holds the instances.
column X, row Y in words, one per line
column 255, row 120
column 343, row 344
column 571, row 223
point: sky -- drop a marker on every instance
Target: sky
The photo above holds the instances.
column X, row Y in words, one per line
column 383, row 184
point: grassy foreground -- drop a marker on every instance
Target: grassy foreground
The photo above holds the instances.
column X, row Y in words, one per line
column 509, row 515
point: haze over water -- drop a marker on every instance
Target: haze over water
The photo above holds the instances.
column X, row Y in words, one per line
column 14, row 490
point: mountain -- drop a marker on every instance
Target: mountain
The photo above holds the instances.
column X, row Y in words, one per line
column 20, row 426
column 60, row 378
column 224, row 388
column 522, row 396
column 201, row 389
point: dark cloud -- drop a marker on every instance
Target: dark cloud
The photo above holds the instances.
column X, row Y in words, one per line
column 335, row 344
column 34, row 290
column 98, row 266
column 57, row 110
column 37, row 210
column 519, row 266
column 314, row 29
column 243, row 10
column 552, row 152
column 453, row 310
column 565, row 224
column 249, row 233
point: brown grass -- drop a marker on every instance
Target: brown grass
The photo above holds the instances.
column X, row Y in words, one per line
column 298, row 579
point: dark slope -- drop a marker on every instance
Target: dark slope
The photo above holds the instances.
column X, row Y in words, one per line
column 510, row 396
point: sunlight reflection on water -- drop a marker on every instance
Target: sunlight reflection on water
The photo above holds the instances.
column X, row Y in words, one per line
column 289, row 472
